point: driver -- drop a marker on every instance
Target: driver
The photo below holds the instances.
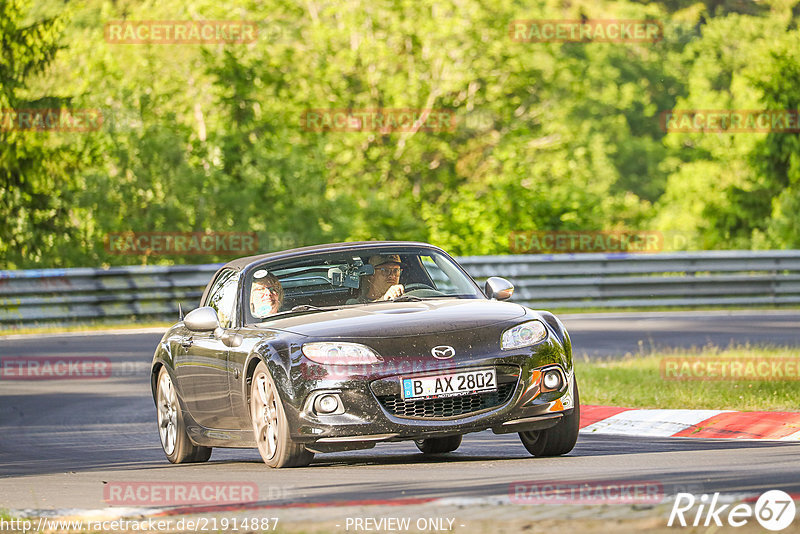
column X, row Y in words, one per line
column 266, row 294
column 385, row 283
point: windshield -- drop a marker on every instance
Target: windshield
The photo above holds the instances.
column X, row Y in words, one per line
column 356, row 278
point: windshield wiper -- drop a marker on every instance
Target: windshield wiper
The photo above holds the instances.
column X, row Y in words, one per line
column 311, row 307
column 297, row 309
column 407, row 298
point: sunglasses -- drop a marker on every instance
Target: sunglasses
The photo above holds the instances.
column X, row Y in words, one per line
column 386, row 271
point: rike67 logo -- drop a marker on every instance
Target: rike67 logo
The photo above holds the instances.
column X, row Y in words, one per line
column 774, row 510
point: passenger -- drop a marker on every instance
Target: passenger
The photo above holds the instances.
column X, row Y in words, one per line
column 385, row 283
column 266, row 295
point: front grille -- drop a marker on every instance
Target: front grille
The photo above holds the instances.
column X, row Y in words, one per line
column 449, row 406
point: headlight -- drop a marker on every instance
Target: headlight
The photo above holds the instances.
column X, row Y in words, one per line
column 523, row 335
column 332, row 353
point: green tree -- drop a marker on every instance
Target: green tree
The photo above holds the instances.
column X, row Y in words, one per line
column 37, row 168
column 737, row 190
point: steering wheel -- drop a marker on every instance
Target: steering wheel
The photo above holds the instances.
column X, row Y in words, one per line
column 415, row 287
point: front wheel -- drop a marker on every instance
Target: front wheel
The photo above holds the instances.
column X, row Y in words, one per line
column 438, row 445
column 559, row 439
column 171, row 428
column 270, row 426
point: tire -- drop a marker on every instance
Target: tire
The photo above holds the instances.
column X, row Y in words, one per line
column 270, row 427
column 559, row 439
column 175, row 442
column 438, row 445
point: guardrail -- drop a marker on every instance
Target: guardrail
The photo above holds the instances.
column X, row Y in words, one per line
column 117, row 294
column 711, row 278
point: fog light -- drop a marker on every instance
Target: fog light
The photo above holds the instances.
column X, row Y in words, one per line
column 327, row 404
column 552, row 379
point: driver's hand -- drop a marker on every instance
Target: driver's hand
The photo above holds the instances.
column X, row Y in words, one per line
column 393, row 292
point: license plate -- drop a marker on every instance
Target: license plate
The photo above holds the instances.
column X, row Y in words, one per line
column 450, row 385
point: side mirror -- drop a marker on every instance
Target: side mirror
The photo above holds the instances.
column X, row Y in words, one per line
column 498, row 288
column 205, row 320
column 202, row 320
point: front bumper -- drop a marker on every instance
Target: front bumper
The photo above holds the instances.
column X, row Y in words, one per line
column 375, row 411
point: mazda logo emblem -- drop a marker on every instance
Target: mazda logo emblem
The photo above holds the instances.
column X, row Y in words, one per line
column 443, row 352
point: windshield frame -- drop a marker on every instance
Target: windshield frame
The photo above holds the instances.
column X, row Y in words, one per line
column 361, row 251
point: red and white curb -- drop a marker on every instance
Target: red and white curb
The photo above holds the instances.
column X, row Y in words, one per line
column 782, row 426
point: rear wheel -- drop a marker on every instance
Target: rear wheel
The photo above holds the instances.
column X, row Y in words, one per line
column 438, row 445
column 559, row 439
column 270, row 427
column 171, row 428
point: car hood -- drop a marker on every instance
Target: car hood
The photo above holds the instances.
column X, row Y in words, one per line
column 399, row 319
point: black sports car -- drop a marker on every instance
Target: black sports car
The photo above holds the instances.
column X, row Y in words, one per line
column 338, row 347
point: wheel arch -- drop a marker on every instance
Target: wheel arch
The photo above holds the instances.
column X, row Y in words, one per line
column 559, row 329
column 277, row 362
column 161, row 359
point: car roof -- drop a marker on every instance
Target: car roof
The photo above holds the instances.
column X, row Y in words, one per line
column 242, row 263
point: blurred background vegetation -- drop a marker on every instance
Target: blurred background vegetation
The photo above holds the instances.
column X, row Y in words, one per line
column 548, row 135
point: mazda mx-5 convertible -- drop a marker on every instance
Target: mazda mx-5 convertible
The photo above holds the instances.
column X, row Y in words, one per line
column 339, row 347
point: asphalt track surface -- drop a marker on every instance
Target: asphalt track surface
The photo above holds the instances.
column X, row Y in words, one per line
column 62, row 440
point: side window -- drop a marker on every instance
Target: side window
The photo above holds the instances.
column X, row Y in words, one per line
column 222, row 297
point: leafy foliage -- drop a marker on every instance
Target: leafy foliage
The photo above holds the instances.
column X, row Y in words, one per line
column 547, row 136
column 33, row 168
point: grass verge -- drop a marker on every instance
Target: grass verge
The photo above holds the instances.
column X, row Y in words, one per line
column 645, row 381
column 655, row 309
column 88, row 327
